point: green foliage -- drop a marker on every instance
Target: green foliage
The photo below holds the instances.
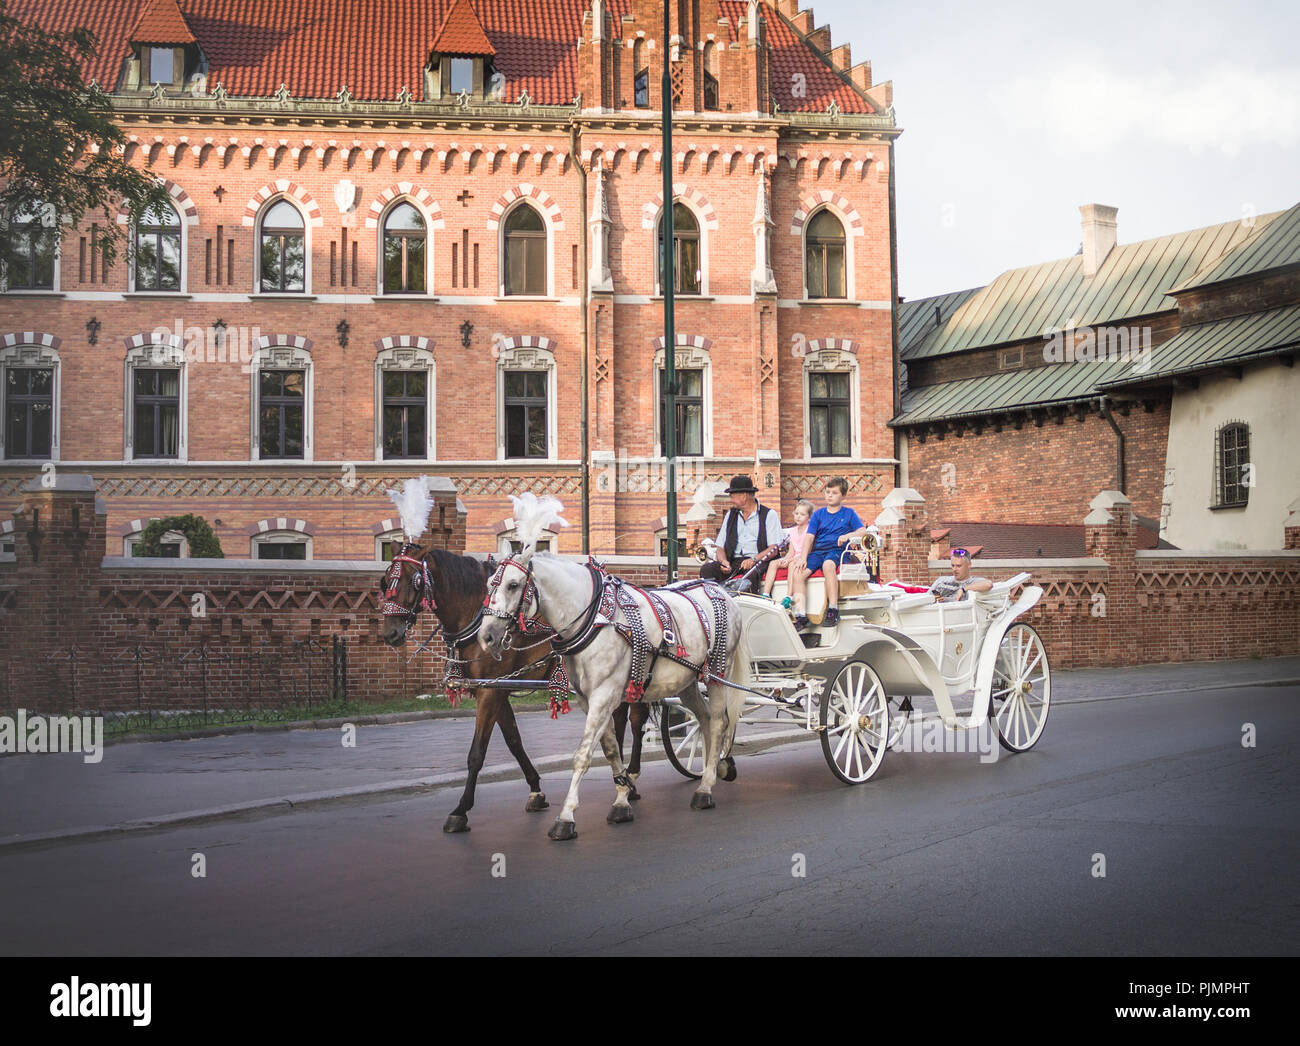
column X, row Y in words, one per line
column 203, row 543
column 51, row 120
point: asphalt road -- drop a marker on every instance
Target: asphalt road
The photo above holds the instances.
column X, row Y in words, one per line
column 939, row 854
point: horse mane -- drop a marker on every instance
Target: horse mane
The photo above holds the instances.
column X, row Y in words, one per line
column 463, row 575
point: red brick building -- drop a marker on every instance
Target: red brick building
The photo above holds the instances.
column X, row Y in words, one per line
column 402, row 234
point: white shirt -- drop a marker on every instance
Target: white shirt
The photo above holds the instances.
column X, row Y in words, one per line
column 747, row 533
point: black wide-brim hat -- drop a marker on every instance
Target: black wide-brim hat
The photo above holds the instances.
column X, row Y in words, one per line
column 741, row 485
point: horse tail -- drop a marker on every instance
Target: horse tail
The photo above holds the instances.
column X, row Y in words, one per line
column 738, row 671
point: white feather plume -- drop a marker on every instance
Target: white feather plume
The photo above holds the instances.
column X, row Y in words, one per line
column 533, row 515
column 414, row 503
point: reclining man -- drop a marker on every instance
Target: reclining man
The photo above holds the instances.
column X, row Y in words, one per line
column 747, row 529
column 959, row 584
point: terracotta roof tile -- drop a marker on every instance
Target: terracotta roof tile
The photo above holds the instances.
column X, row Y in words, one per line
column 376, row 47
column 161, row 22
column 462, row 32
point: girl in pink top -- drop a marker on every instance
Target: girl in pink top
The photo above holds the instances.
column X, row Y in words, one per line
column 795, row 535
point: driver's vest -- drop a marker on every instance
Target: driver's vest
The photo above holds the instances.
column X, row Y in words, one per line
column 733, row 530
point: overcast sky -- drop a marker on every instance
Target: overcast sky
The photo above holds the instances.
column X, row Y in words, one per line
column 1181, row 114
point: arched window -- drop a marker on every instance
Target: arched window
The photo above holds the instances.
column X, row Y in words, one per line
column 686, row 252
column 404, row 251
column 640, row 76
column 1233, row 472
column 158, row 250
column 710, row 63
column 824, row 257
column 525, row 252
column 33, row 247
column 284, row 250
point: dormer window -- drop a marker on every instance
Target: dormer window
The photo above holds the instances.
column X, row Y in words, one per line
column 161, row 65
column 462, row 75
column 460, row 56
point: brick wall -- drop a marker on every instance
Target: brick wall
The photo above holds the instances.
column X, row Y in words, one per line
column 1035, row 473
column 78, row 631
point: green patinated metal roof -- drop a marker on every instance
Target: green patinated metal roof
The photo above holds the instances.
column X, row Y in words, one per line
column 1055, row 384
column 1023, row 303
column 916, row 319
column 1272, row 245
column 1222, row 342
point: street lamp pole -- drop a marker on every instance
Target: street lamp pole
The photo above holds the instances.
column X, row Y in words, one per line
column 668, row 277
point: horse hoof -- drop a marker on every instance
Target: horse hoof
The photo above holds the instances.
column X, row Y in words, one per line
column 701, row 801
column 456, row 823
column 619, row 814
column 536, row 802
column 562, row 830
column 727, row 769
column 633, row 795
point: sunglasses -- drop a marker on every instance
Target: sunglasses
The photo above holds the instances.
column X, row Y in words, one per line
column 959, row 552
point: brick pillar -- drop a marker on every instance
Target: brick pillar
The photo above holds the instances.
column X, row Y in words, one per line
column 1110, row 534
column 604, row 445
column 59, row 544
column 906, row 537
column 1291, row 528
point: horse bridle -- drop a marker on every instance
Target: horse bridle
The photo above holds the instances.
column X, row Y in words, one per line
column 420, row 581
column 528, row 626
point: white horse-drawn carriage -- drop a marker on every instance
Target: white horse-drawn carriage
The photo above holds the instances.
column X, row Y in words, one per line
column 854, row 683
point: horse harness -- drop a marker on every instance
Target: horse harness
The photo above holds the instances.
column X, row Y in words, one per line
column 612, row 597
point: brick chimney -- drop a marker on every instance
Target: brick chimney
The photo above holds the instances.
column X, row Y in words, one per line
column 1099, row 235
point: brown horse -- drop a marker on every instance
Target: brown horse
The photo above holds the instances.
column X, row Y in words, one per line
column 454, row 588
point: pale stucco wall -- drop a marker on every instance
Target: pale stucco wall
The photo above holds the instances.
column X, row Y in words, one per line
column 1267, row 398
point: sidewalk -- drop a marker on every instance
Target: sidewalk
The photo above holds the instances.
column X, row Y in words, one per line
column 143, row 785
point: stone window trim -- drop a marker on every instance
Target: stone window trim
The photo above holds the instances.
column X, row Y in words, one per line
column 833, row 354
column 850, row 283
column 706, row 219
column 188, row 212
column 529, row 352
column 281, row 352
column 383, row 205
column 501, row 251
column 406, row 352
column 392, row 531
column 133, row 533
column 506, row 532
column 692, row 353
column 282, row 537
column 32, row 349
column 154, row 352
column 307, row 223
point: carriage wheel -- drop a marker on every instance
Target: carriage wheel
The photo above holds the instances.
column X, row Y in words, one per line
column 683, row 740
column 1022, row 689
column 855, row 717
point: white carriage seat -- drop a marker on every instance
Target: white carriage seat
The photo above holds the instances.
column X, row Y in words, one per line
column 814, row 593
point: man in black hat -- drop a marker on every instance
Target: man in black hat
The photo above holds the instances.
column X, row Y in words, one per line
column 747, row 529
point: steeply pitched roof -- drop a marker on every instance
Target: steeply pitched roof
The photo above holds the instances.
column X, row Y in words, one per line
column 161, row 22
column 377, row 47
column 1237, row 339
column 1133, row 281
column 1273, row 245
column 462, row 33
column 916, row 319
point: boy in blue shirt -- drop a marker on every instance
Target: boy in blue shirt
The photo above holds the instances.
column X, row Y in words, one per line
column 829, row 530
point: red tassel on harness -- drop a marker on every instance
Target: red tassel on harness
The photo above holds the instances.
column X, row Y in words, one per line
column 635, row 692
